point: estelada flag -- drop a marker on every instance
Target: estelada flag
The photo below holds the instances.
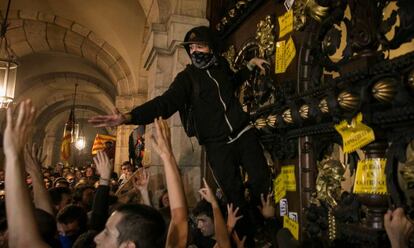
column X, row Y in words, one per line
column 65, row 147
column 100, row 140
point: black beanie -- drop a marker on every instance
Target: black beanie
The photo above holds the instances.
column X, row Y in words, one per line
column 201, row 34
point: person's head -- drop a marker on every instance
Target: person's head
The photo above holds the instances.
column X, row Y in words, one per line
column 61, row 197
column 164, row 200
column 83, row 195
column 71, row 222
column 70, row 178
column 59, row 168
column 201, row 45
column 132, row 226
column 60, row 182
column 126, row 168
column 203, row 213
column 90, row 171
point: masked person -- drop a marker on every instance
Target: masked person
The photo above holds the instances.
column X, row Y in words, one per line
column 219, row 123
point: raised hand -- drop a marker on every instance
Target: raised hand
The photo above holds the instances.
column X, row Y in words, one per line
column 207, row 194
column 141, row 180
column 239, row 243
column 162, row 143
column 33, row 158
column 103, row 165
column 114, row 119
column 267, row 209
column 17, row 131
column 259, row 63
column 398, row 227
column 232, row 217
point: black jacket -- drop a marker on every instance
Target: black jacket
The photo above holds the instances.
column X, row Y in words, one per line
column 217, row 112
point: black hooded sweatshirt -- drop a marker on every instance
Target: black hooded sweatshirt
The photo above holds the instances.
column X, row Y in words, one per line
column 217, row 112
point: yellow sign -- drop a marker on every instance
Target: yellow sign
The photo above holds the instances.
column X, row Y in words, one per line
column 288, row 173
column 285, row 23
column 290, row 52
column 280, row 57
column 370, row 177
column 292, row 226
column 356, row 135
column 279, row 188
column 285, row 53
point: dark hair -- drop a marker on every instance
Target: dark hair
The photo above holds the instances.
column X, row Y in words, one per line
column 78, row 193
column 203, row 207
column 72, row 213
column 85, row 240
column 56, row 194
column 142, row 225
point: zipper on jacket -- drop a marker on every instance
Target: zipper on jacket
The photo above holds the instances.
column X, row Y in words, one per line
column 221, row 100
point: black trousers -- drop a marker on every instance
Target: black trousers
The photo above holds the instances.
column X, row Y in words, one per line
column 225, row 160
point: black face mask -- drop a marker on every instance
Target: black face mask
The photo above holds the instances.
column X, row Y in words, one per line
column 203, row 60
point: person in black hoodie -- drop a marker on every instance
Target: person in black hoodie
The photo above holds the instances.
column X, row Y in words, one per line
column 219, row 122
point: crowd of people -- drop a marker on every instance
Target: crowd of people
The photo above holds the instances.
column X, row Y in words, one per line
column 92, row 207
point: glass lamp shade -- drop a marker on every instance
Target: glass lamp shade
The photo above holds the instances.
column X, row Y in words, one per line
column 8, row 71
column 80, row 143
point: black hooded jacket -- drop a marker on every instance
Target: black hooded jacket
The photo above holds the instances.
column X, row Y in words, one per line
column 217, row 112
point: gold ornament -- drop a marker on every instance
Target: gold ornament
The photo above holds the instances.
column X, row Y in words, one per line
column 265, row 37
column 384, row 90
column 271, row 121
column 304, row 8
column 260, row 123
column 304, row 111
column 323, row 106
column 287, row 116
column 348, row 101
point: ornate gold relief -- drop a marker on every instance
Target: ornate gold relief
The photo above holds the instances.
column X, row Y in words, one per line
column 328, row 181
column 323, row 106
column 348, row 101
column 384, row 90
column 260, row 123
column 265, row 37
column 271, row 121
column 304, row 111
column 287, row 116
column 304, row 8
column 230, row 56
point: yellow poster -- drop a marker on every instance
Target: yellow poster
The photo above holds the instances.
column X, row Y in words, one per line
column 280, row 57
column 355, row 135
column 285, row 53
column 288, row 172
column 285, row 23
column 279, row 188
column 290, row 52
column 292, row 226
column 370, row 177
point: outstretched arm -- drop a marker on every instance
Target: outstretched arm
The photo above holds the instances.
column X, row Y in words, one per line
column 23, row 231
column 33, row 158
column 220, row 228
column 101, row 201
column 178, row 229
column 112, row 120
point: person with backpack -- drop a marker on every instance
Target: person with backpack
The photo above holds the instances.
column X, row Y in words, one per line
column 203, row 93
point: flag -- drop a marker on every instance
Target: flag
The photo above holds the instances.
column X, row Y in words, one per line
column 65, row 147
column 99, row 142
column 67, row 137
